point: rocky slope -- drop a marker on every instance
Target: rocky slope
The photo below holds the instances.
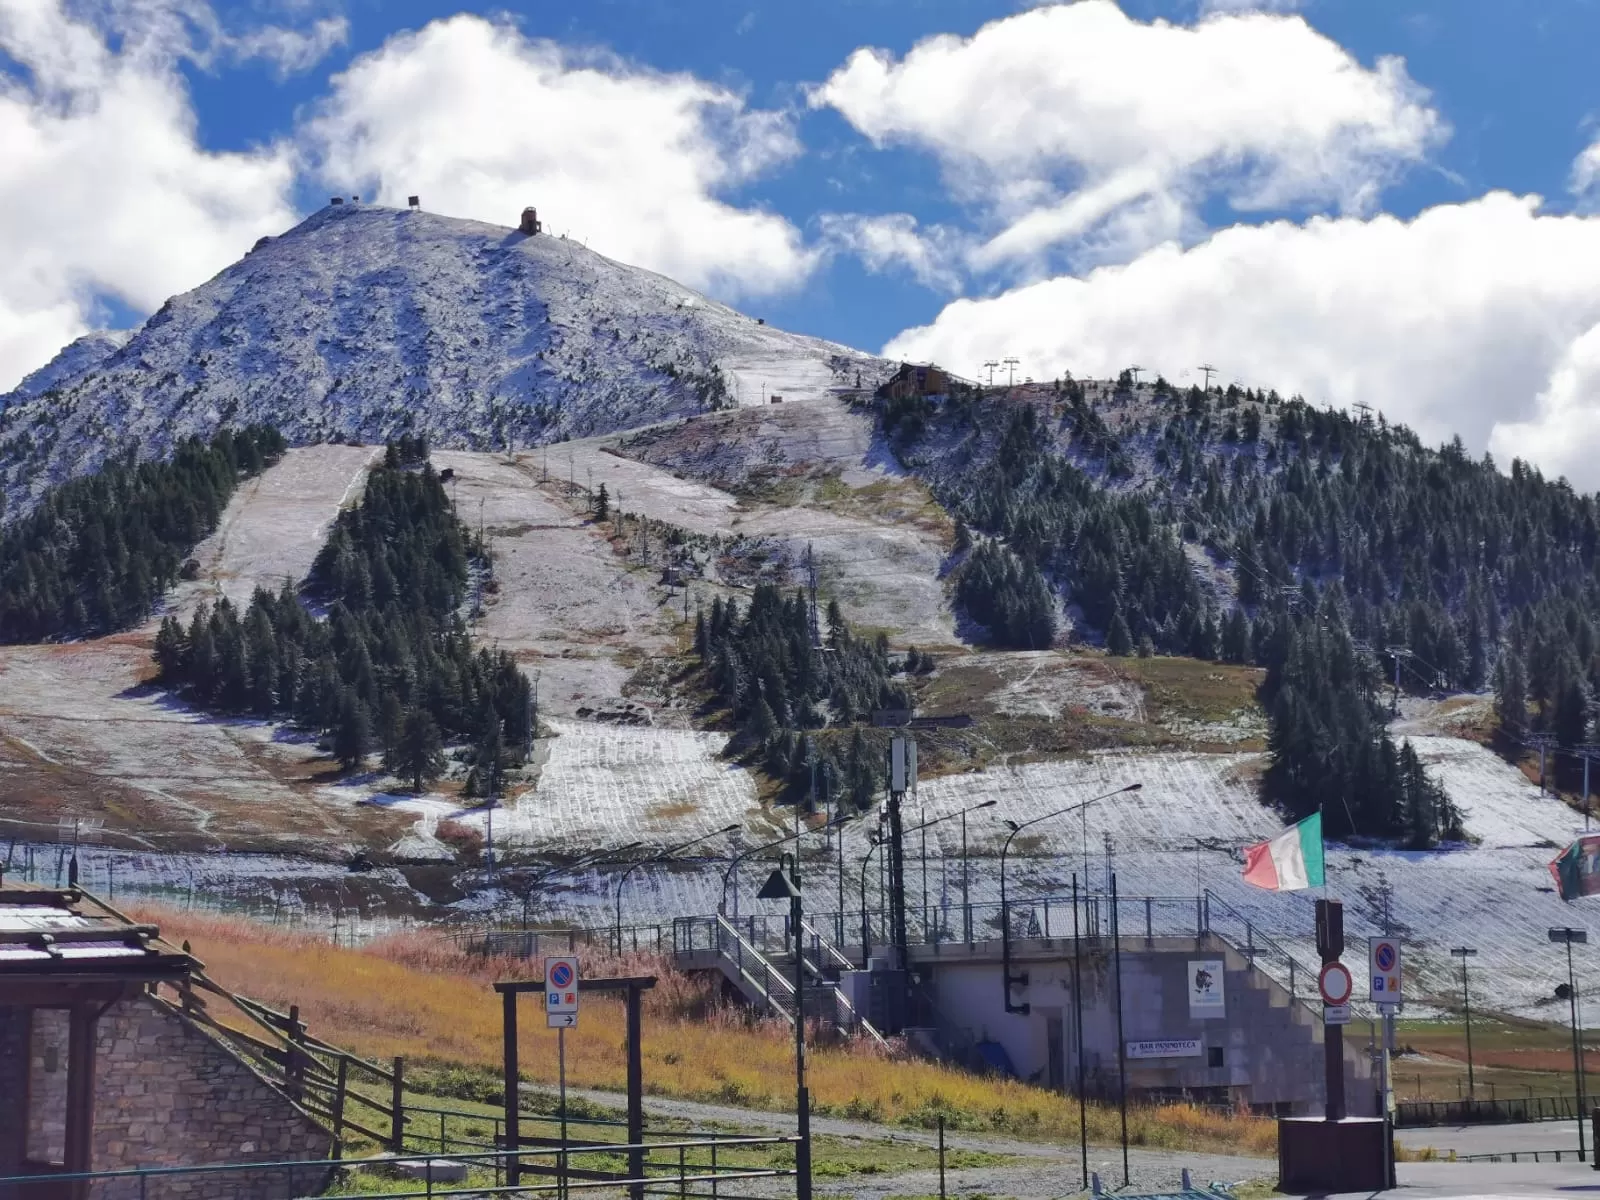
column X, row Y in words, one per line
column 363, row 322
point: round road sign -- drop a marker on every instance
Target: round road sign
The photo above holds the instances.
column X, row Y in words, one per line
column 561, row 975
column 1384, row 956
column 1335, row 983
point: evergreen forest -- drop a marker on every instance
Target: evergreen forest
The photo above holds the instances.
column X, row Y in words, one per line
column 1334, row 550
column 790, row 690
column 373, row 652
column 98, row 552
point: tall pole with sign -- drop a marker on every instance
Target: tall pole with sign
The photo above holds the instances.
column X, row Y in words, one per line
column 1569, row 937
column 1383, row 969
column 1335, row 978
column 561, row 1014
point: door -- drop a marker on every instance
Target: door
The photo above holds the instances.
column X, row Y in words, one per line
column 1055, row 1052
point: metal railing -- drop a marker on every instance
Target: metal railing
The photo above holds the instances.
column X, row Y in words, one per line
column 559, row 1169
column 1414, row 1114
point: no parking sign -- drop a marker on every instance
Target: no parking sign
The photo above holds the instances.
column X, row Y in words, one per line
column 561, row 992
column 1383, row 955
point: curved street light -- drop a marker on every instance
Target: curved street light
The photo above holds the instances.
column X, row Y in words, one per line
column 594, row 858
column 733, row 863
column 1009, row 980
column 661, row 856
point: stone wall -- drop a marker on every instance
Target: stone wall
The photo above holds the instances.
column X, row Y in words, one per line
column 13, row 1056
column 167, row 1094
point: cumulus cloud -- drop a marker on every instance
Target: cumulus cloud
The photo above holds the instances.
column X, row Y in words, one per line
column 1228, row 6
column 105, row 189
column 1477, row 318
column 1077, row 122
column 480, row 121
column 1585, row 181
column 893, row 241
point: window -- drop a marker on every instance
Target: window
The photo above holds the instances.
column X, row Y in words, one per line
column 1214, row 1056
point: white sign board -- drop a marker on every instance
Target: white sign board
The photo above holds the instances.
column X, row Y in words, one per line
column 561, row 992
column 1336, row 1014
column 1383, row 962
column 1170, row 1048
column 1206, row 997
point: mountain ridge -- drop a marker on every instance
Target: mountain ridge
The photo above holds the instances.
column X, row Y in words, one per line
column 363, row 322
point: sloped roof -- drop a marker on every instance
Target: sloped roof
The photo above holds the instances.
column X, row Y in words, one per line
column 68, row 933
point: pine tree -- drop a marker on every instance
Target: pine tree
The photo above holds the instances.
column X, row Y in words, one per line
column 1119, row 642
column 352, row 732
column 489, row 753
column 419, row 756
column 602, row 504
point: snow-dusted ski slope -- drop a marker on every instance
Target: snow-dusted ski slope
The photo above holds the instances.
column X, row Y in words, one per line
column 567, row 605
column 1494, row 896
column 884, row 575
column 276, row 523
column 603, row 786
column 364, row 321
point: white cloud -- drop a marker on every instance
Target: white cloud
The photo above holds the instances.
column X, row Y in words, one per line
column 1585, row 182
column 896, row 240
column 292, row 50
column 105, row 190
column 1077, row 122
column 479, row 121
column 1477, row 318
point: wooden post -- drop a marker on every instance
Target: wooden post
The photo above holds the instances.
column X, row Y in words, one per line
column 338, row 1106
column 513, row 1126
column 635, row 1091
column 80, row 1097
column 294, row 1065
column 397, row 1116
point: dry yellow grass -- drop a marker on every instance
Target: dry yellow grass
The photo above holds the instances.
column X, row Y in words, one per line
column 418, row 995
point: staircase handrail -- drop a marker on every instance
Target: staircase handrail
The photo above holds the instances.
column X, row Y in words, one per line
column 1257, row 941
column 770, row 971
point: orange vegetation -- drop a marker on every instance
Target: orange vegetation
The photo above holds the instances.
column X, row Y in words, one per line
column 419, row 995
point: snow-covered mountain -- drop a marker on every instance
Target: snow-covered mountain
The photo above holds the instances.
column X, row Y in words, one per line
column 74, row 359
column 362, row 322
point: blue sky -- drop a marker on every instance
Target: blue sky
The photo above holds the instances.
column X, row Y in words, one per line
column 1326, row 196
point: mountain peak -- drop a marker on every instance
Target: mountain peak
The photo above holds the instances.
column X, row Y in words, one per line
column 363, row 322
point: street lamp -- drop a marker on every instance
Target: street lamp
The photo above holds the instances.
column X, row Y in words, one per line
column 874, row 839
column 1009, row 980
column 784, row 884
column 584, row 860
column 1569, row 992
column 659, row 857
column 1464, row 953
column 733, row 863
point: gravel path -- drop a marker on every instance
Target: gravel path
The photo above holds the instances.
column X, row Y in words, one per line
column 1053, row 1170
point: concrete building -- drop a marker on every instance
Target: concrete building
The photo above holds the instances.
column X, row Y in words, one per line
column 98, row 1074
column 1238, row 1039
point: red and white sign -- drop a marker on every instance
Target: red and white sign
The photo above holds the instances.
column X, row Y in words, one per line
column 1384, row 966
column 561, row 992
column 1336, row 984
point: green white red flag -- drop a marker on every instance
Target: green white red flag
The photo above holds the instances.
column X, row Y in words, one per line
column 1290, row 862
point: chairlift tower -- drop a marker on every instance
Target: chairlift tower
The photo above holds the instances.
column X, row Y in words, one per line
column 1208, row 371
column 1543, row 743
column 1588, row 752
column 1011, row 364
column 1401, row 653
column 991, row 365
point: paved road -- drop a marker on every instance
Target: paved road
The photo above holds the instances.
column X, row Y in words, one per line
column 1494, row 1139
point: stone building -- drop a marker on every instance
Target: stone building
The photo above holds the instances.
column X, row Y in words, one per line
column 99, row 1074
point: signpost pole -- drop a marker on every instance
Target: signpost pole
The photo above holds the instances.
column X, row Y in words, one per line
column 561, row 1069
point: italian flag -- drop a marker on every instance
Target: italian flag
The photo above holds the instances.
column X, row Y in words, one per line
column 1290, row 862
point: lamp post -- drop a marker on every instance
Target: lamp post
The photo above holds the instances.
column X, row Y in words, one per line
column 661, row 856
column 1568, row 936
column 585, row 860
column 874, row 840
column 733, row 863
column 1009, row 980
column 784, row 884
column 1464, row 953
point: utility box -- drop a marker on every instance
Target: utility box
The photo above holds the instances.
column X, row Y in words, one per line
column 1317, row 1156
